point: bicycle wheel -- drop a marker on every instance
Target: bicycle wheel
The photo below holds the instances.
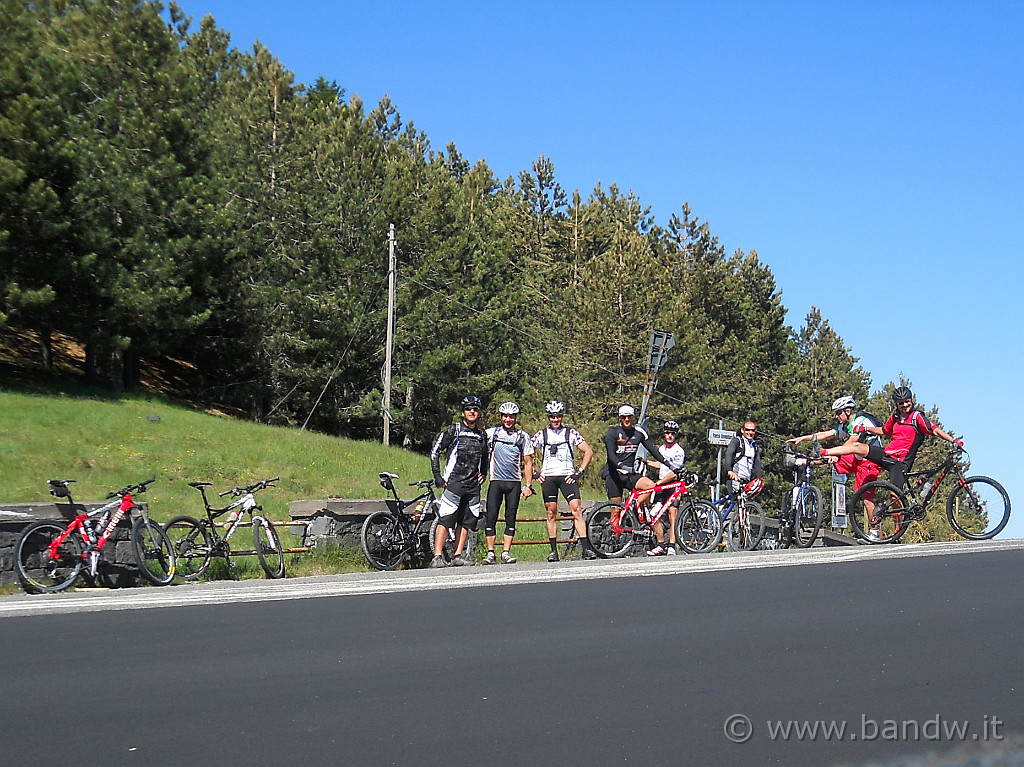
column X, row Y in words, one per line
column 698, row 528
column 448, row 550
column 153, row 551
column 746, row 526
column 807, row 517
column 41, row 571
column 978, row 509
column 383, row 541
column 606, row 542
column 268, row 547
column 193, row 547
column 889, row 504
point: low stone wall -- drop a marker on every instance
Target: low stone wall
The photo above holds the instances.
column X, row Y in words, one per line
column 117, row 568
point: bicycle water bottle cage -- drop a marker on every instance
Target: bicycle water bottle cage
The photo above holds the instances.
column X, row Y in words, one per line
column 753, row 487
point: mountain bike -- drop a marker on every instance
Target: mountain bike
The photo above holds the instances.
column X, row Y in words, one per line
column 49, row 555
column 396, row 536
column 614, row 527
column 802, row 512
column 977, row 508
column 742, row 518
column 197, row 542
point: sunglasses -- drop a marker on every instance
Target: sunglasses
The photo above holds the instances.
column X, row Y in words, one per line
column 470, row 410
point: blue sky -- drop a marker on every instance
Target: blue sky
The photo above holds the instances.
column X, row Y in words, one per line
column 871, row 153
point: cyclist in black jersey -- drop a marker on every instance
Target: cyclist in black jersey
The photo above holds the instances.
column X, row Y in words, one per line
column 459, row 506
column 621, row 444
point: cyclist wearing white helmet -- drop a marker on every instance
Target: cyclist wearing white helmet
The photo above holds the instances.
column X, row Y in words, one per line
column 463, row 473
column 861, row 454
column 511, row 455
column 675, row 456
column 558, row 444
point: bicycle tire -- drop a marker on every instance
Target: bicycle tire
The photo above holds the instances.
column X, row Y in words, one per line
column 193, row 546
column 973, row 508
column 698, row 528
column 268, row 547
column 448, row 550
column 383, row 541
column 606, row 543
column 37, row 572
column 786, row 522
column 745, row 537
column 807, row 517
column 890, row 503
column 153, row 551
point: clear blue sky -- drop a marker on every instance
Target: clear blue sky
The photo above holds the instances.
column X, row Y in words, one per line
column 871, row 153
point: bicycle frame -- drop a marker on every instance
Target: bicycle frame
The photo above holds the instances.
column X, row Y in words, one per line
column 92, row 545
column 679, row 488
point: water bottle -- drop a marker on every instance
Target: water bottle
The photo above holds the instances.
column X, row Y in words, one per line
column 925, row 488
column 418, row 511
column 655, row 509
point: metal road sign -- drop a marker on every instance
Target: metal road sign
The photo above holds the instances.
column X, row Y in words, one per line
column 720, row 437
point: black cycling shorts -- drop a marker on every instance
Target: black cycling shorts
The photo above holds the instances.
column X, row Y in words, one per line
column 552, row 486
column 617, row 485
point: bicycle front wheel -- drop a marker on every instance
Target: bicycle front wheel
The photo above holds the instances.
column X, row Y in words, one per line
column 746, row 526
column 153, row 551
column 193, row 547
column 882, row 501
column 604, row 539
column 268, row 547
column 698, row 528
column 43, row 570
column 807, row 516
column 978, row 509
column 383, row 541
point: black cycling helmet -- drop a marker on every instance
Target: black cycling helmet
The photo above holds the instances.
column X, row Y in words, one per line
column 902, row 394
column 471, row 401
column 670, row 427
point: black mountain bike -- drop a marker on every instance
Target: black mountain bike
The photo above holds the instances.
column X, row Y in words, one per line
column 196, row 542
column 978, row 508
column 396, row 536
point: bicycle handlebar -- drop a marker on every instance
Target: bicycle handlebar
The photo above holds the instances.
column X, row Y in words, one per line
column 138, row 489
column 253, row 488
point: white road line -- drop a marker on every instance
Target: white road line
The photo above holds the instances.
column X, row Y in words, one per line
column 353, row 584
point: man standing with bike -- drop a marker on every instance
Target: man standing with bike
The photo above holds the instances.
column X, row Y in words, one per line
column 459, row 506
column 511, row 453
column 621, row 444
column 558, row 444
column 743, row 457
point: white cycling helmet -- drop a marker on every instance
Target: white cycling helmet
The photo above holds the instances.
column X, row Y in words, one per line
column 844, row 402
column 554, row 407
column 508, row 408
column 626, row 409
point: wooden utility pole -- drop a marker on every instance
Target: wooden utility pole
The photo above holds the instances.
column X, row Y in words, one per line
column 390, row 335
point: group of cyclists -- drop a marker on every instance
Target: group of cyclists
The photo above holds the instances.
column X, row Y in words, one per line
column 465, row 454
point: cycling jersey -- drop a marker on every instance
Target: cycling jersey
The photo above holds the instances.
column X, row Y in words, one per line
column 743, row 457
column 907, row 435
column 559, row 447
column 621, row 444
column 856, row 426
column 507, row 449
column 675, row 456
column 467, row 458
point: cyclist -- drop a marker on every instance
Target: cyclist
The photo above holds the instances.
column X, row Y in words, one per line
column 908, row 427
column 459, row 506
column 860, row 455
column 675, row 457
column 621, row 444
column 558, row 443
column 743, row 457
column 511, row 453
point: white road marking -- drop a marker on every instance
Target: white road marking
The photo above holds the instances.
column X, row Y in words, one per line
column 354, row 584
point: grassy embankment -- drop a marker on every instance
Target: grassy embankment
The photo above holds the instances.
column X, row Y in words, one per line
column 105, row 442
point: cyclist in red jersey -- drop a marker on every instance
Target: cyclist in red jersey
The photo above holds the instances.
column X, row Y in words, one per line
column 908, row 427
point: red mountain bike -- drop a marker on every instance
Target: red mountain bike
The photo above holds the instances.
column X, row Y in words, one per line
column 614, row 527
column 49, row 555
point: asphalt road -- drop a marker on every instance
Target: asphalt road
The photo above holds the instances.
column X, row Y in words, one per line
column 634, row 662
